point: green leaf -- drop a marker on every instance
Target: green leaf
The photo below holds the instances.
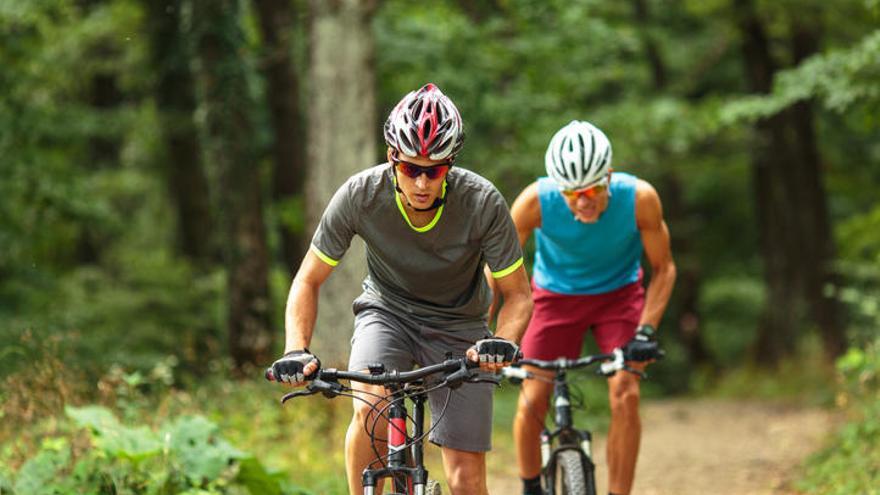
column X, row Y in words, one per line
column 96, row 418
column 254, row 476
column 195, row 442
column 37, row 476
column 117, row 440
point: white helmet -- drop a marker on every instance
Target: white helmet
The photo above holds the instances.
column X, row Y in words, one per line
column 579, row 155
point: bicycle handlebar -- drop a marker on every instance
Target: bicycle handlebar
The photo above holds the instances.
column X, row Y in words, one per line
column 564, row 363
column 610, row 364
column 326, row 381
column 389, row 377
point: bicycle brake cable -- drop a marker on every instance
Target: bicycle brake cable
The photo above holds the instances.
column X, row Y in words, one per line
column 409, row 443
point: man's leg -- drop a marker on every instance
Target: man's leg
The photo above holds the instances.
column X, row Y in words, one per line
column 358, row 452
column 465, row 471
column 531, row 410
column 378, row 338
column 625, row 431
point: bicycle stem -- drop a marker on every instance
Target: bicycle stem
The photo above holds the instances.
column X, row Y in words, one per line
column 561, row 402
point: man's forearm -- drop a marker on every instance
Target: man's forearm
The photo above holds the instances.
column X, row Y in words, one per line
column 659, row 292
column 300, row 315
column 514, row 317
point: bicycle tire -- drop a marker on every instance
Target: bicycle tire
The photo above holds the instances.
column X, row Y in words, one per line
column 571, row 477
column 433, row 488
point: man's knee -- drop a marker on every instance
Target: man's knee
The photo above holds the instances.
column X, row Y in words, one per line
column 364, row 413
column 465, row 471
column 624, row 396
column 534, row 399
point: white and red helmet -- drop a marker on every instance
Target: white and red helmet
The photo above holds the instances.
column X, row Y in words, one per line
column 425, row 123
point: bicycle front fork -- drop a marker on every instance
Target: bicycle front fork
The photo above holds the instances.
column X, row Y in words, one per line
column 585, row 438
column 404, row 478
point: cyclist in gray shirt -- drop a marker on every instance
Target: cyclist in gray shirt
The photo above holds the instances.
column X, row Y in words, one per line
column 434, row 234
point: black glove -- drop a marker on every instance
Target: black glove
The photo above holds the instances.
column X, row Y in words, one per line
column 289, row 368
column 496, row 350
column 643, row 346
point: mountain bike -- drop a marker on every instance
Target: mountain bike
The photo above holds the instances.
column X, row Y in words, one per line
column 566, row 452
column 404, row 460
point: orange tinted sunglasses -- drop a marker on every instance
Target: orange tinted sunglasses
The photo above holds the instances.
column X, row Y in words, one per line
column 589, row 192
column 413, row 171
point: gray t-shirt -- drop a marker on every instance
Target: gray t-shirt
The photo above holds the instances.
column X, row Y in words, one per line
column 434, row 273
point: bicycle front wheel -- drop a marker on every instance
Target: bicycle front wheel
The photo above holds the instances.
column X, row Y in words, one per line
column 571, row 477
column 433, row 488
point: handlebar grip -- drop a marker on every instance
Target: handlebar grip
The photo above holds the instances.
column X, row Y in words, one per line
column 516, row 373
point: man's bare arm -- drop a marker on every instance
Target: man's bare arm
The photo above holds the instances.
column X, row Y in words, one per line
column 302, row 302
column 655, row 240
column 513, row 318
column 526, row 214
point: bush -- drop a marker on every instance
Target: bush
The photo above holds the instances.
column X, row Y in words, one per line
column 851, row 464
column 184, row 456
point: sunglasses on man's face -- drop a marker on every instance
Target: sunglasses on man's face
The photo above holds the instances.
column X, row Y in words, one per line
column 587, row 192
column 413, row 171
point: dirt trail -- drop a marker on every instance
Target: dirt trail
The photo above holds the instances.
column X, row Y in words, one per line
column 722, row 447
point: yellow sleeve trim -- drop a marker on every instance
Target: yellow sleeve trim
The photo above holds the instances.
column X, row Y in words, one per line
column 507, row 271
column 326, row 259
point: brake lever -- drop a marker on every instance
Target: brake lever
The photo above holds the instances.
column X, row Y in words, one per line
column 484, row 378
column 297, row 393
column 454, row 380
column 634, row 371
column 330, row 389
column 607, row 373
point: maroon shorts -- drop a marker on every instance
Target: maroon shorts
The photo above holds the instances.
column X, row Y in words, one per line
column 559, row 321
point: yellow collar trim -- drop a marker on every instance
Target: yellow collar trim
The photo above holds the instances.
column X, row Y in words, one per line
column 405, row 217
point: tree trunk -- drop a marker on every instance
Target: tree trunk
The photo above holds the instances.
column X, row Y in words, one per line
column 104, row 97
column 175, row 99
column 276, row 24
column 229, row 137
column 793, row 221
column 817, row 240
column 770, row 171
column 344, row 128
column 689, row 279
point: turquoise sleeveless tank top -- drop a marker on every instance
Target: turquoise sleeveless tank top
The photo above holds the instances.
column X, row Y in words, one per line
column 582, row 258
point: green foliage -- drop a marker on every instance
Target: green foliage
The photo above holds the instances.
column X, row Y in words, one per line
column 186, row 455
column 734, row 303
column 851, row 464
column 840, row 80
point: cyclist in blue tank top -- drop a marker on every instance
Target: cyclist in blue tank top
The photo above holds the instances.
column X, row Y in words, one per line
column 591, row 228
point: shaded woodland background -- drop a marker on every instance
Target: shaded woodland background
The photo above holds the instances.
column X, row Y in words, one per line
column 163, row 165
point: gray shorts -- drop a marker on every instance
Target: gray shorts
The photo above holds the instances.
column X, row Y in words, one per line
column 380, row 337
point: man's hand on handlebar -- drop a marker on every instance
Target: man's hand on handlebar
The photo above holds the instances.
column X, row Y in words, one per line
column 493, row 353
column 643, row 347
column 295, row 367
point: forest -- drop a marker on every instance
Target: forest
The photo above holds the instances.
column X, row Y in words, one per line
column 164, row 163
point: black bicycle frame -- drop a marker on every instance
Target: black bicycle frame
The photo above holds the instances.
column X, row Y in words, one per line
column 406, row 478
column 566, row 436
